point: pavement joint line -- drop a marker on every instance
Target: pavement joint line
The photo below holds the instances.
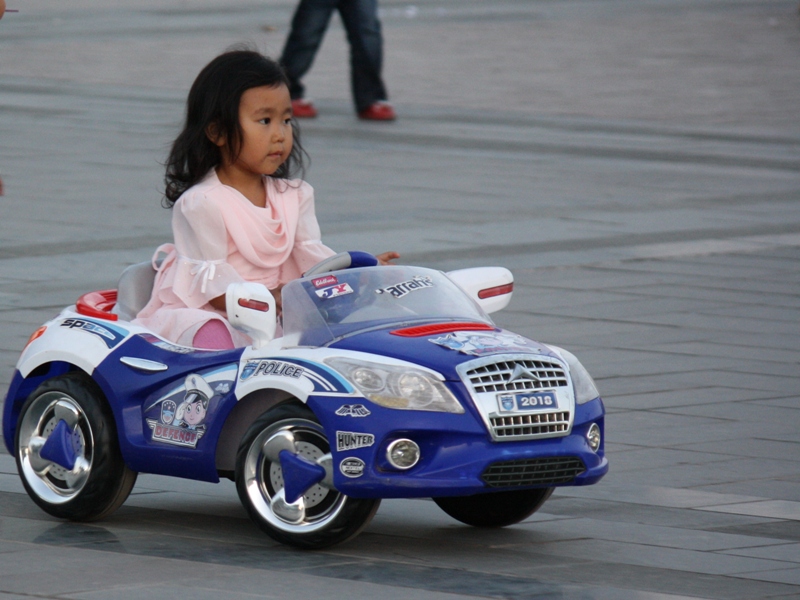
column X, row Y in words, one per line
column 689, row 243
column 428, row 142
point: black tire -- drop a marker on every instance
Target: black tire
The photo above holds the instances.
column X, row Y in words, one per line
column 99, row 480
column 497, row 509
column 321, row 517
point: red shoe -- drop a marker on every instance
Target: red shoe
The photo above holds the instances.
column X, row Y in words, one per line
column 379, row 111
column 303, row 109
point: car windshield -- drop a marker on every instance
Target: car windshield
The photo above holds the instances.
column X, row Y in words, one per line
column 320, row 309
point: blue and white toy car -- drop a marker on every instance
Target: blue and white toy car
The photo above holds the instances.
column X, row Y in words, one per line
column 387, row 382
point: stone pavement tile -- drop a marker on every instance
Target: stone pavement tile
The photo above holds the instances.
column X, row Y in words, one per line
column 784, row 552
column 706, row 292
column 643, row 514
column 668, row 537
column 675, row 582
column 659, row 270
column 656, row 432
column 254, row 584
column 166, row 591
column 784, row 488
column 753, row 448
column 43, row 570
column 229, row 507
column 774, row 368
column 639, row 308
column 537, row 297
column 9, row 546
column 757, row 312
column 729, row 471
column 773, row 341
column 701, row 321
column 741, row 351
column 786, row 402
column 655, row 458
column 684, row 397
column 775, row 509
column 789, row 576
column 645, row 555
column 771, row 386
column 11, row 483
column 624, row 491
column 636, row 338
column 781, row 417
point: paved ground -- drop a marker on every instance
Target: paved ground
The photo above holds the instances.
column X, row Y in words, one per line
column 635, row 163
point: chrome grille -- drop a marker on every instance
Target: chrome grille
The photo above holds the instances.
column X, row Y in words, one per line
column 494, row 377
column 533, row 471
column 534, row 424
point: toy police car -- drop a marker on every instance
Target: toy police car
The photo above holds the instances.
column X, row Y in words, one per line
column 385, row 382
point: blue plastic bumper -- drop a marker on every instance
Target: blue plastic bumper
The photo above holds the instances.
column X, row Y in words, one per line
column 458, row 457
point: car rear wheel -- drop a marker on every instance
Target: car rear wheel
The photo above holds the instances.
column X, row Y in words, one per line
column 68, row 453
column 497, row 509
column 299, row 507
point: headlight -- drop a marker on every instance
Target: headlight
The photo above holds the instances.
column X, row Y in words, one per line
column 582, row 382
column 403, row 388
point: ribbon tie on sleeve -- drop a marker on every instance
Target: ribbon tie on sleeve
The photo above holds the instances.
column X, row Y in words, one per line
column 203, row 271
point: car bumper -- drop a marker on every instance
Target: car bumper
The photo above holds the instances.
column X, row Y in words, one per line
column 458, row 457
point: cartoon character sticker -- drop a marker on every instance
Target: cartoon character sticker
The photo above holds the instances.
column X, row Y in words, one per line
column 180, row 419
column 192, row 411
column 477, row 344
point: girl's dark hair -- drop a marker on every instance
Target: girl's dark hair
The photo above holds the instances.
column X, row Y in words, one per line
column 214, row 100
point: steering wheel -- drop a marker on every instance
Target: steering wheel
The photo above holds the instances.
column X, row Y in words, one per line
column 343, row 260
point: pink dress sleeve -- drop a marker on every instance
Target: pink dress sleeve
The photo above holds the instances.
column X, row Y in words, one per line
column 201, row 272
column 308, row 247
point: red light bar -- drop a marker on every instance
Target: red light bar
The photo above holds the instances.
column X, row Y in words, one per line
column 98, row 304
column 437, row 328
column 506, row 288
column 254, row 304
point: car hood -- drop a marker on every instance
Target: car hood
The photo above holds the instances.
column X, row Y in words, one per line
column 442, row 352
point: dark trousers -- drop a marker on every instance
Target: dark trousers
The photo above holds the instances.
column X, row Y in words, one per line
column 360, row 18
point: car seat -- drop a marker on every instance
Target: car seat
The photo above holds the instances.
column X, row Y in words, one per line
column 134, row 289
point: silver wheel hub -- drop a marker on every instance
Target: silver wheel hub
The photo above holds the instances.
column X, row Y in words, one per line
column 264, row 479
column 55, row 477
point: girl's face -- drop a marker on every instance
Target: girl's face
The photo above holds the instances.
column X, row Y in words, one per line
column 265, row 117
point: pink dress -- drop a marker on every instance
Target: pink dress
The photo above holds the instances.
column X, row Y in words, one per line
column 221, row 238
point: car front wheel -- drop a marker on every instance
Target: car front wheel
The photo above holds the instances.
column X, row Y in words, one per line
column 299, row 507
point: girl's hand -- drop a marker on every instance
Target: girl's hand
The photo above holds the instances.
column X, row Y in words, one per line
column 278, row 300
column 386, row 257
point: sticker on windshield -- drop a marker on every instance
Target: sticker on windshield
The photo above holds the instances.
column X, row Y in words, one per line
column 324, row 281
column 476, row 344
column 399, row 290
column 334, row 291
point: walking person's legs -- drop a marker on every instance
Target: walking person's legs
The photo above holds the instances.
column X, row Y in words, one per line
column 360, row 18
column 311, row 19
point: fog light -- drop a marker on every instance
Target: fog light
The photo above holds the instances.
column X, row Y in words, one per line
column 593, row 437
column 402, row 454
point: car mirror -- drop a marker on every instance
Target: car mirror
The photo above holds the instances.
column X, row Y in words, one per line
column 251, row 309
column 490, row 287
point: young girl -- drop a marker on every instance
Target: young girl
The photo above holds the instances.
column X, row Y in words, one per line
column 236, row 214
